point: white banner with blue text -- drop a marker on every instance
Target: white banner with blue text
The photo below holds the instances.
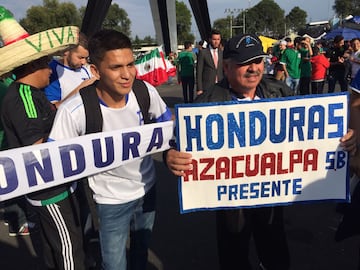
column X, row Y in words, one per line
column 263, row 152
column 32, row 168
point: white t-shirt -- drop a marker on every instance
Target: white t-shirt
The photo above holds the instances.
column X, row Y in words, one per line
column 355, row 66
column 64, row 79
column 124, row 183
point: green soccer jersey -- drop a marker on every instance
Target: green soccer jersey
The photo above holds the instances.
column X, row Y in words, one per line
column 305, row 65
column 186, row 64
column 291, row 58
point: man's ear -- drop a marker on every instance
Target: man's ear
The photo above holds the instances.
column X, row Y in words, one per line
column 94, row 71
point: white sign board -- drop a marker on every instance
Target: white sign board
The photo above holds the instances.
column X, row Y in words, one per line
column 263, row 152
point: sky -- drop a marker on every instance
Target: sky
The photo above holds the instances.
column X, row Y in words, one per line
column 140, row 14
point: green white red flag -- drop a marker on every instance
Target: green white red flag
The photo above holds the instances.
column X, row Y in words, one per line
column 170, row 68
column 152, row 68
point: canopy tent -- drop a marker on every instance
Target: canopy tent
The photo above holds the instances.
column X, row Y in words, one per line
column 267, row 42
column 353, row 22
column 347, row 33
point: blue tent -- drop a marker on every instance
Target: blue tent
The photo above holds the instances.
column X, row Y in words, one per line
column 347, row 33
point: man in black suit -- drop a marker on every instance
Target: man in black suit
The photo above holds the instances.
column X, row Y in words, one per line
column 209, row 69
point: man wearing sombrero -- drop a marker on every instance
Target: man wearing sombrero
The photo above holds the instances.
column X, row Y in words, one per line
column 27, row 117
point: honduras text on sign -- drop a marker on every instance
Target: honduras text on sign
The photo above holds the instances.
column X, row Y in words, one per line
column 263, row 152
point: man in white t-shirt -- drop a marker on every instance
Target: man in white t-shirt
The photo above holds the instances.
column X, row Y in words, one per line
column 69, row 73
column 124, row 196
column 355, row 57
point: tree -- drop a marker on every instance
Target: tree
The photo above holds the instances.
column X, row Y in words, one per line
column 265, row 18
column 52, row 14
column 296, row 19
column 183, row 23
column 344, row 8
column 223, row 25
column 117, row 19
column 149, row 40
column 136, row 42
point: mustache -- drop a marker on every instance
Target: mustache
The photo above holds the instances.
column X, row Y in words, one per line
column 251, row 73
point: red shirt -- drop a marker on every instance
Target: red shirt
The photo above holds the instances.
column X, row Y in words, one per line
column 319, row 66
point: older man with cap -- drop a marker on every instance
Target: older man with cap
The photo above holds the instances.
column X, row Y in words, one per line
column 27, row 117
column 243, row 80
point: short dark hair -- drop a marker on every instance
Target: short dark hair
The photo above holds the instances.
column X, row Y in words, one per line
column 106, row 40
column 31, row 67
column 297, row 40
column 338, row 38
column 214, row 32
column 187, row 44
column 316, row 51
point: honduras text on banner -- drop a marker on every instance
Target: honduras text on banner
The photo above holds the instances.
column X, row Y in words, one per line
column 32, row 168
column 263, row 152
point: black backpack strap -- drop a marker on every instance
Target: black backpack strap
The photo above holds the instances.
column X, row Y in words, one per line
column 94, row 123
column 94, row 119
column 143, row 98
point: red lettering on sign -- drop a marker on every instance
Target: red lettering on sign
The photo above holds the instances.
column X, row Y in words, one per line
column 209, row 163
column 223, row 167
column 252, row 165
column 234, row 167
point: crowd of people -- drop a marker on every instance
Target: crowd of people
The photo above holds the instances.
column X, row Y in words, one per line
column 303, row 64
column 45, row 101
column 306, row 65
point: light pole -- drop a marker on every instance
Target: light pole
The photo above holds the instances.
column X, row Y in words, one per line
column 231, row 12
column 244, row 12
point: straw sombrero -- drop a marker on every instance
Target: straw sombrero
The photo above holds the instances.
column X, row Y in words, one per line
column 21, row 48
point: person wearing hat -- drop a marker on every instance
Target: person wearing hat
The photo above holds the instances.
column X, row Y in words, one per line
column 27, row 117
column 244, row 80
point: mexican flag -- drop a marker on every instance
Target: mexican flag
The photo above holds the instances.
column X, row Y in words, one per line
column 170, row 68
column 152, row 68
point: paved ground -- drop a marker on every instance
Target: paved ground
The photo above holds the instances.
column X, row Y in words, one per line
column 187, row 242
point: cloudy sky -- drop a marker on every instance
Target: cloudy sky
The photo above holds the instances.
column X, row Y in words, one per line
column 140, row 14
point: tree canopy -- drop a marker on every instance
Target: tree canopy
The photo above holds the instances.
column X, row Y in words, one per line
column 50, row 15
column 344, row 8
column 224, row 25
column 54, row 14
column 296, row 19
column 183, row 23
column 265, row 18
column 117, row 18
